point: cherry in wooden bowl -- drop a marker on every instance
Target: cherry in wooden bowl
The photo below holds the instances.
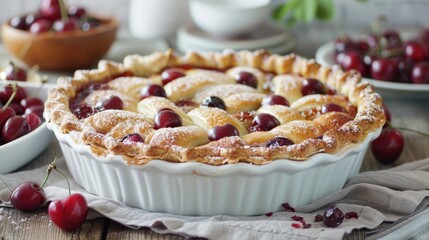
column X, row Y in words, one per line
column 61, row 51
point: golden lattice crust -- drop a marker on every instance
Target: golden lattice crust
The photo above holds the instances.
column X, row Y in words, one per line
column 328, row 133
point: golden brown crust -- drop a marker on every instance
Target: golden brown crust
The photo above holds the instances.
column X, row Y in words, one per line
column 329, row 132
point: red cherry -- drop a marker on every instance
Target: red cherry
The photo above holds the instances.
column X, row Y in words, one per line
column 14, row 72
column 246, row 78
column 362, row 46
column 213, row 101
column 167, row 118
column 312, row 86
column 275, row 100
column 333, row 217
column 343, row 44
column 5, row 114
column 392, row 37
column 69, row 213
column 415, row 51
column 40, row 26
column 7, row 91
column 18, row 22
column 75, row 11
column 353, row 60
column 171, row 74
column 152, row 90
column 33, row 120
column 132, row 138
column 110, row 102
column 279, row 141
column 83, row 111
column 38, row 110
column 265, row 121
column 15, row 127
column 27, row 196
column 388, row 146
column 19, row 110
column 420, row 73
column 404, row 66
column 65, row 26
column 383, row 69
column 50, row 9
column 332, row 107
column 218, row 132
column 32, row 101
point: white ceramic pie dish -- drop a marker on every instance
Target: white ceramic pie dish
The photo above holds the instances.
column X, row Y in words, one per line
column 199, row 189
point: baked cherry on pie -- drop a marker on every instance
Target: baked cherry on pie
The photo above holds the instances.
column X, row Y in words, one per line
column 215, row 108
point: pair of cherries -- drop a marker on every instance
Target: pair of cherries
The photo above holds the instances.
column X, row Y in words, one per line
column 68, row 213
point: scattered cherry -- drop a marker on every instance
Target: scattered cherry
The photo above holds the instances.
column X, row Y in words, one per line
column 287, row 207
column 246, row 78
column 275, row 100
column 110, row 102
column 69, row 213
column 333, row 217
column 171, row 74
column 167, row 118
column 27, row 196
column 265, row 121
column 213, row 101
column 297, row 218
column 218, row 132
column 152, row 90
column 312, row 86
column 350, row 215
column 279, row 141
column 388, row 146
column 318, row 218
column 269, row 214
column 132, row 138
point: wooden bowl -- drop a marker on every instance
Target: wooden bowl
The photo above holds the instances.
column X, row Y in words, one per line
column 65, row 51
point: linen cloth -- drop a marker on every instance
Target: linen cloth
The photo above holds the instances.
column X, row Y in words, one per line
column 376, row 196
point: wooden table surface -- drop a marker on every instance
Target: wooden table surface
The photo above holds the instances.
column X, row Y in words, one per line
column 36, row 225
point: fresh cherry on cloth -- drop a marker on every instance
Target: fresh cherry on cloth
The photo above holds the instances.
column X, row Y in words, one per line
column 69, row 213
column 27, row 196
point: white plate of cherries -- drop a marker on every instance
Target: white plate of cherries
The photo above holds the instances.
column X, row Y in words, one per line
column 396, row 64
column 23, row 132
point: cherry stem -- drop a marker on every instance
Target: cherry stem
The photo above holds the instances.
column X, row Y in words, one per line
column 68, row 183
column 49, row 170
column 63, row 11
column 15, row 90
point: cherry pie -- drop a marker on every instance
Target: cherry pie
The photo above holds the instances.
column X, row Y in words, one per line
column 215, row 108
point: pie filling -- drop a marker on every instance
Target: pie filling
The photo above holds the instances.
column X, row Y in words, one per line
column 215, row 108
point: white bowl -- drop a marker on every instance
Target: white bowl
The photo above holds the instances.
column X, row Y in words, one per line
column 193, row 188
column 229, row 18
column 19, row 152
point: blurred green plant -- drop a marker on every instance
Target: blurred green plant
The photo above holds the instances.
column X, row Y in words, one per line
column 293, row 11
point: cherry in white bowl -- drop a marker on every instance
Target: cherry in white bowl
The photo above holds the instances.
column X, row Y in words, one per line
column 22, row 150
